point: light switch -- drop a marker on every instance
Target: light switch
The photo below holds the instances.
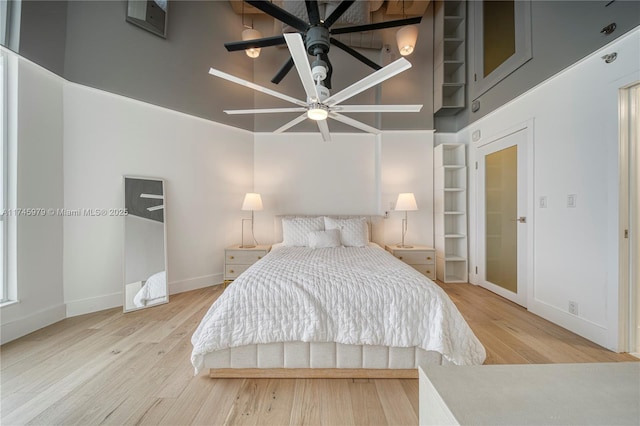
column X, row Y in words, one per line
column 543, row 202
column 571, row 200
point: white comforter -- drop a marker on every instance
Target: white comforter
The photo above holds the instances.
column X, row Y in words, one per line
column 347, row 295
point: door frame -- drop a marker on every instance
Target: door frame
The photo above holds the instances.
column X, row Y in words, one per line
column 629, row 203
column 528, row 293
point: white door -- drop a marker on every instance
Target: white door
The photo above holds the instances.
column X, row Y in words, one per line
column 502, row 216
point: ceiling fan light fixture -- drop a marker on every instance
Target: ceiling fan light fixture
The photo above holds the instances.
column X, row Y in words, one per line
column 251, row 34
column 406, row 38
column 317, row 112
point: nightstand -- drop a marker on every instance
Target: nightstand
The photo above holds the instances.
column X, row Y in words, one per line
column 421, row 258
column 238, row 259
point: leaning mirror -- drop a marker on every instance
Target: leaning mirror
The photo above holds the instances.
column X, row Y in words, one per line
column 145, row 248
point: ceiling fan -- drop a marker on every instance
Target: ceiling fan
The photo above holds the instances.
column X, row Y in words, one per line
column 320, row 104
column 316, row 34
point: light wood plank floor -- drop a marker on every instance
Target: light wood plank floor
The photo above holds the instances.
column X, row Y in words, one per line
column 111, row 368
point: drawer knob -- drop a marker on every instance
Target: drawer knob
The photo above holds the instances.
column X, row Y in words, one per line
column 428, row 257
column 231, row 257
column 400, row 257
column 428, row 271
column 259, row 257
column 231, row 271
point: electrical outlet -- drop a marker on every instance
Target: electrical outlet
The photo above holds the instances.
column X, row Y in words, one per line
column 386, row 215
column 573, row 307
column 543, row 202
column 571, row 200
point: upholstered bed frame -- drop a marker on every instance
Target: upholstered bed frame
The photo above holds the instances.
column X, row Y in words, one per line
column 321, row 359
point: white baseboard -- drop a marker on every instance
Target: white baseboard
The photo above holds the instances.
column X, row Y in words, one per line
column 581, row 326
column 195, row 283
column 94, row 304
column 114, row 300
column 22, row 326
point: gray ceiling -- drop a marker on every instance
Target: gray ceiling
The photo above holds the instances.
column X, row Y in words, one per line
column 102, row 50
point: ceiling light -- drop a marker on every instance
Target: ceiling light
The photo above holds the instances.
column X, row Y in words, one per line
column 251, row 34
column 406, row 38
column 317, row 112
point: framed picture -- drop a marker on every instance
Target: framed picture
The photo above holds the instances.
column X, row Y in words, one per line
column 149, row 14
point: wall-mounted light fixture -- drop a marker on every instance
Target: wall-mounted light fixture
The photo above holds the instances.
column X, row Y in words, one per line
column 406, row 37
column 250, row 33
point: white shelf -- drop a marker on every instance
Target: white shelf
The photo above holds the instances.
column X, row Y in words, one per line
column 450, row 206
column 449, row 57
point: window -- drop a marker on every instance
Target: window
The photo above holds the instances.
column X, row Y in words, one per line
column 3, row 176
column 501, row 44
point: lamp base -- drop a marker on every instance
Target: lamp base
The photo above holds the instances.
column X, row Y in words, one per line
column 243, row 246
column 403, row 246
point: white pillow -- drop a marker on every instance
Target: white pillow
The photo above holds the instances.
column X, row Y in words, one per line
column 353, row 232
column 295, row 231
column 325, row 239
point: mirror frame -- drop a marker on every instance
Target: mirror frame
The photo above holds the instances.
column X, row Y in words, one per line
column 124, row 242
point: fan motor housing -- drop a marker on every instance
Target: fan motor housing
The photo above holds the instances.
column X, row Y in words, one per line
column 317, row 40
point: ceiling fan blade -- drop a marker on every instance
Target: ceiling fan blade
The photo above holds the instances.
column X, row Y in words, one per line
column 377, row 108
column 354, row 123
column 354, row 53
column 378, row 26
column 337, row 13
column 263, row 110
column 256, row 87
column 279, row 13
column 299, row 55
column 371, row 80
column 324, row 129
column 327, row 80
column 291, row 123
column 235, row 46
column 312, row 11
column 284, row 70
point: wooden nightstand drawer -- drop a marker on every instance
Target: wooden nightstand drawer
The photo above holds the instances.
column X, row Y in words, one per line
column 428, row 270
column 238, row 259
column 416, row 257
column 232, row 272
column 243, row 257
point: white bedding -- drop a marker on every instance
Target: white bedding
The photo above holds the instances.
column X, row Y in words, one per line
column 153, row 291
column 347, row 295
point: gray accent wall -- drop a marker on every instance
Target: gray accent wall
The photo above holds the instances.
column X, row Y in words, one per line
column 563, row 32
column 43, row 33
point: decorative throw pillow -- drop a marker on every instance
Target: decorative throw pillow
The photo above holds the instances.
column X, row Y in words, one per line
column 325, row 239
column 353, row 231
column 295, row 231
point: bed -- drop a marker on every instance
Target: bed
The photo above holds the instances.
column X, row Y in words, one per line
column 328, row 303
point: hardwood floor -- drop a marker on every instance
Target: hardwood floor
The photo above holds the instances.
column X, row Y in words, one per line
column 111, row 368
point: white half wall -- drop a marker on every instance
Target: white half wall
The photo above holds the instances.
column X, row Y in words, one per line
column 207, row 168
column 575, row 140
column 407, row 166
column 299, row 173
column 37, row 272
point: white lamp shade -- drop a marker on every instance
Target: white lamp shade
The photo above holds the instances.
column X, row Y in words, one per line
column 406, row 38
column 251, row 34
column 406, row 202
column 252, row 201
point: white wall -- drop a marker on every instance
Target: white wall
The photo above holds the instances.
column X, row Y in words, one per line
column 407, row 166
column 207, row 168
column 575, row 152
column 38, row 271
column 298, row 173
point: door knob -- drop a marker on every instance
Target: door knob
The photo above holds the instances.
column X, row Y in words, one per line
column 522, row 219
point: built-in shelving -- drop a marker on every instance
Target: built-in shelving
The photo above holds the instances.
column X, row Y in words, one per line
column 449, row 57
column 450, row 208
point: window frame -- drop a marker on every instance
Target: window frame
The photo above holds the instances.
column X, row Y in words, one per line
column 479, row 83
column 4, row 135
